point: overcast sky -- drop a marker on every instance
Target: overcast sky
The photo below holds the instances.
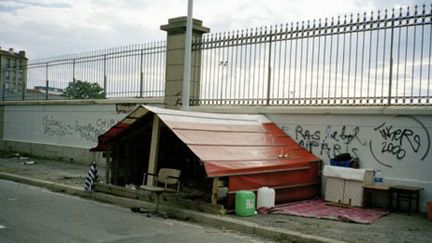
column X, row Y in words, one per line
column 54, row 27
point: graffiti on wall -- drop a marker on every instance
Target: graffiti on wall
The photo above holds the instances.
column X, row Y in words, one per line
column 400, row 142
column 404, row 138
column 53, row 127
column 329, row 142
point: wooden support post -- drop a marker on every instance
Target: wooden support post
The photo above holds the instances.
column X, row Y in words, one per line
column 215, row 188
column 108, row 167
column 154, row 149
column 115, row 164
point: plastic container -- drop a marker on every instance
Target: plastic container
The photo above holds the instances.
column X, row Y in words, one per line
column 266, row 197
column 429, row 210
column 378, row 177
column 245, row 203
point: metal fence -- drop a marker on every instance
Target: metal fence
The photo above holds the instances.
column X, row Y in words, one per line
column 128, row 71
column 379, row 58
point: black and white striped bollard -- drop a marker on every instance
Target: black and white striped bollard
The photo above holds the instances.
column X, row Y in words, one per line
column 91, row 178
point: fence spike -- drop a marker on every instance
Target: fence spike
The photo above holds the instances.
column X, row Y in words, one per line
column 325, row 25
column 351, row 21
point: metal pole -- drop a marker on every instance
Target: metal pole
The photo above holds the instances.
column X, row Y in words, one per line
column 73, row 80
column 105, row 75
column 187, row 59
column 47, row 82
column 141, row 73
column 269, row 68
column 1, row 78
column 24, row 80
column 389, row 101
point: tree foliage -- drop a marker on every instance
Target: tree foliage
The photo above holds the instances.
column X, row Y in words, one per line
column 84, row 90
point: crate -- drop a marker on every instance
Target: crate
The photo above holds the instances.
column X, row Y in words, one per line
column 345, row 189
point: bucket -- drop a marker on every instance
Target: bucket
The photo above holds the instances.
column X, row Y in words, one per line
column 245, row 203
column 265, row 197
column 429, row 210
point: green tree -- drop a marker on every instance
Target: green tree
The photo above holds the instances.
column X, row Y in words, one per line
column 84, row 90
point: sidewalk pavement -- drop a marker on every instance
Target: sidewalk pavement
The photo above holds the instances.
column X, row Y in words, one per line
column 69, row 178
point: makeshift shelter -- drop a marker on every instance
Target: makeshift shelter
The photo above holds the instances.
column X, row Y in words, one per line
column 215, row 152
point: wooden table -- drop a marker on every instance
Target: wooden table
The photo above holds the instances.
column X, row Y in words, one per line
column 406, row 193
column 369, row 190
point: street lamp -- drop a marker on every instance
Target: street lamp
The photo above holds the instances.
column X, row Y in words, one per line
column 187, row 58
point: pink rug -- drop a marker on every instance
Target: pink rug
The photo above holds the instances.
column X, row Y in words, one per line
column 317, row 208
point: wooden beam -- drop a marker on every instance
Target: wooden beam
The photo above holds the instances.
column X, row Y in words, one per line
column 173, row 199
column 108, row 167
column 114, row 164
column 154, row 149
column 215, row 188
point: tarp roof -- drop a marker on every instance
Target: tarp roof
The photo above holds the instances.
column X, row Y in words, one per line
column 228, row 144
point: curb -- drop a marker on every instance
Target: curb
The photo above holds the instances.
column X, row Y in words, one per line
column 216, row 221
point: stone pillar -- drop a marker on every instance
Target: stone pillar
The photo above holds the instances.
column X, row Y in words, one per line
column 176, row 34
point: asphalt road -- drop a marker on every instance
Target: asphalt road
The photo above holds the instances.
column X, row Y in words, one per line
column 32, row 214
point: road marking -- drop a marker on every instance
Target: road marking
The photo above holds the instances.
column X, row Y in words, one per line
column 2, row 227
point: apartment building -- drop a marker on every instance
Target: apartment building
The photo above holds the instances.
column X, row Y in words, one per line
column 13, row 72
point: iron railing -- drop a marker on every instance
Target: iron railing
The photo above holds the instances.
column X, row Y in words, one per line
column 379, row 58
column 128, row 71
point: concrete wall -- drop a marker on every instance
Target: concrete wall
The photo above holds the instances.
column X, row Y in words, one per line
column 61, row 130
column 398, row 145
column 396, row 141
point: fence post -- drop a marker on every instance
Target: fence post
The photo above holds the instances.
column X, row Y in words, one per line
column 24, row 79
column 105, row 76
column 73, row 80
column 175, row 51
column 141, row 72
column 391, row 61
column 1, row 79
column 269, row 68
column 47, row 81
column 3, row 90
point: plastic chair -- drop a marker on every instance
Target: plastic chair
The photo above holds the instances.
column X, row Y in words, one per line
column 166, row 176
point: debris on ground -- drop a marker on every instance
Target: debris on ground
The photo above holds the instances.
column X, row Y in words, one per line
column 140, row 210
column 130, row 186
